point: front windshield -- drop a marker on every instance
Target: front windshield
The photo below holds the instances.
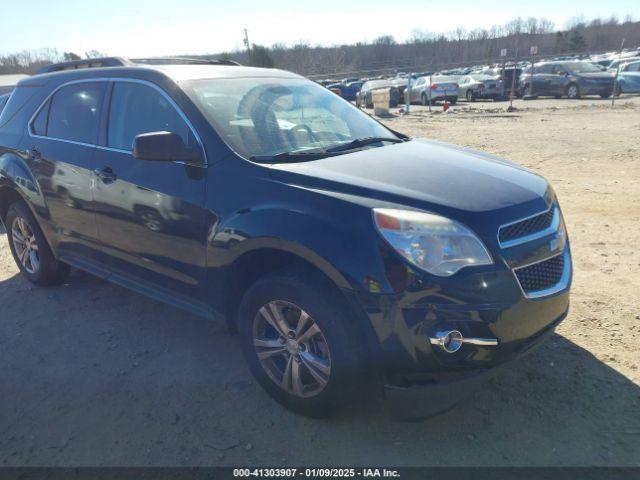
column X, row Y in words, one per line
column 267, row 116
column 583, row 67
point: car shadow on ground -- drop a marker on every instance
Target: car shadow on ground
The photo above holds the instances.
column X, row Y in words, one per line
column 92, row 374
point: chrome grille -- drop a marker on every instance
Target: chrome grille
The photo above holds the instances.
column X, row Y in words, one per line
column 526, row 227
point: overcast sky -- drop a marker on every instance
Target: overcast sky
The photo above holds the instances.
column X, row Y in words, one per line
column 169, row 27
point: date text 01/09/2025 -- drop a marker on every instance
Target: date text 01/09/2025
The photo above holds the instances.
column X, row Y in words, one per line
column 315, row 473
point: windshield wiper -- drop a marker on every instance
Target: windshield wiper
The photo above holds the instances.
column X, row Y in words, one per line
column 361, row 142
column 290, row 157
column 285, row 157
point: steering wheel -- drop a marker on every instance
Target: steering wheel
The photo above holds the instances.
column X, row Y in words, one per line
column 299, row 127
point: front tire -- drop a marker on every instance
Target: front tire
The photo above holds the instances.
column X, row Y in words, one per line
column 30, row 249
column 573, row 92
column 298, row 338
column 470, row 96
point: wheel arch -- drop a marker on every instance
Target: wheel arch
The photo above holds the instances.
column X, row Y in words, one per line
column 17, row 182
column 9, row 195
column 266, row 256
column 253, row 264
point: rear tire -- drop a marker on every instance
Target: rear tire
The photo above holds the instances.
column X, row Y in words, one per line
column 277, row 354
column 470, row 96
column 424, row 100
column 30, row 249
column 605, row 95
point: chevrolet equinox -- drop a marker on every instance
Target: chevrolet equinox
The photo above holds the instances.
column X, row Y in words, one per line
column 344, row 253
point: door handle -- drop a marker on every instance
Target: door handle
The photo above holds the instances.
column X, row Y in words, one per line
column 106, row 175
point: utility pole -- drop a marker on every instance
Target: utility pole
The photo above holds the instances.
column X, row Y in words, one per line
column 615, row 80
column 533, row 51
column 247, row 44
column 408, row 93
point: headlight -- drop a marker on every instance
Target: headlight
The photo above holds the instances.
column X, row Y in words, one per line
column 433, row 243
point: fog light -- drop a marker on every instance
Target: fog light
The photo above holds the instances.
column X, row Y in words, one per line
column 450, row 341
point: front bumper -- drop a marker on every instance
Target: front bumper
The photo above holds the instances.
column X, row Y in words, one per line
column 485, row 304
column 427, row 396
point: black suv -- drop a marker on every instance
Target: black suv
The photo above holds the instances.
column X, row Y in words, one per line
column 343, row 252
column 571, row 79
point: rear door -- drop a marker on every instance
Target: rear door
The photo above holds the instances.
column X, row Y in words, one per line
column 62, row 138
column 150, row 215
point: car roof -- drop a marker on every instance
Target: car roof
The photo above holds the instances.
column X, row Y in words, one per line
column 177, row 73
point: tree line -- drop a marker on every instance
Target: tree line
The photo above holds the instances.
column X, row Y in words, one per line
column 423, row 49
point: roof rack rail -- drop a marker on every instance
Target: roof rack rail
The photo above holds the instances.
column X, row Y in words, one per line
column 124, row 62
column 85, row 63
column 182, row 61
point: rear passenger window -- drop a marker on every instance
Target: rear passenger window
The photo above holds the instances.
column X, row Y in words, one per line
column 75, row 112
column 39, row 125
column 136, row 109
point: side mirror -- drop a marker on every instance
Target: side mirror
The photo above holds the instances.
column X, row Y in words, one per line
column 163, row 147
column 563, row 73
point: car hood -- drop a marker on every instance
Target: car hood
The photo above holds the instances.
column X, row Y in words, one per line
column 422, row 171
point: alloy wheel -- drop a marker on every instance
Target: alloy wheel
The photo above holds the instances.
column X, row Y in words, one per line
column 572, row 92
column 25, row 244
column 291, row 348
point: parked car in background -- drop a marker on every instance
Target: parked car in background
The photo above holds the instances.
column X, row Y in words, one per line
column 400, row 82
column 572, row 79
column 351, row 89
column 475, row 86
column 348, row 91
column 507, row 75
column 9, row 82
column 365, row 99
column 427, row 90
column 629, row 78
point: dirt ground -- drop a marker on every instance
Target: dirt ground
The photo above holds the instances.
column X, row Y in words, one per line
column 92, row 374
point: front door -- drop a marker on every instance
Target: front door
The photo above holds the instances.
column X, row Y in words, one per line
column 61, row 145
column 559, row 75
column 541, row 80
column 150, row 215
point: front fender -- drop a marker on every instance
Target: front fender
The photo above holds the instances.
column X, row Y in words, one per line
column 346, row 252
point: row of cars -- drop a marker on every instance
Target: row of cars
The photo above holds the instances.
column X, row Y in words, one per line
column 563, row 77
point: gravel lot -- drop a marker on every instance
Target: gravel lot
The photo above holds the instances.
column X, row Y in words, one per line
column 92, row 374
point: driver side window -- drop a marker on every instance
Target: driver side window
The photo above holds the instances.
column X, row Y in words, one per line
column 137, row 108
